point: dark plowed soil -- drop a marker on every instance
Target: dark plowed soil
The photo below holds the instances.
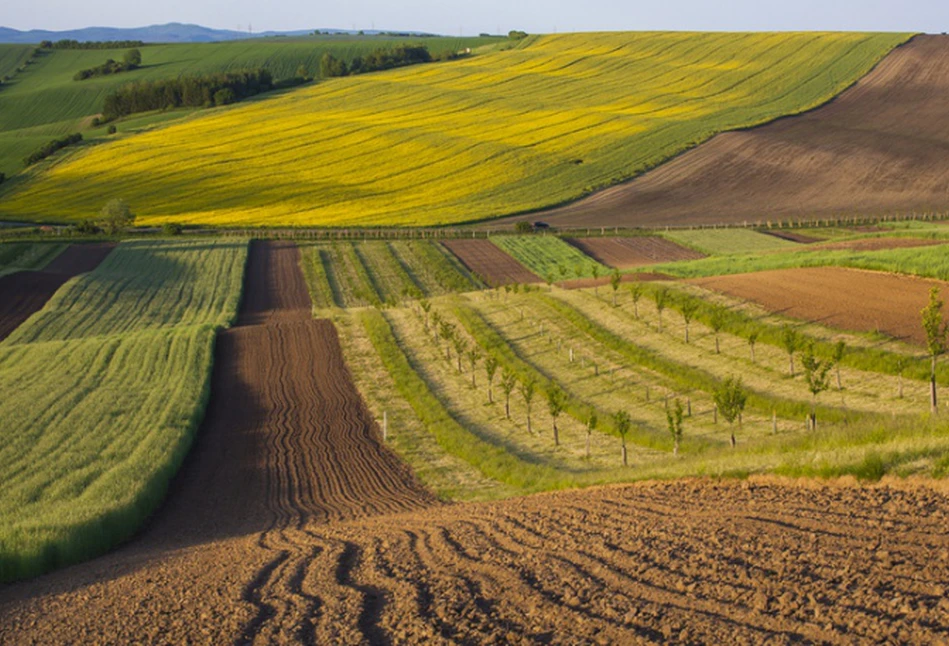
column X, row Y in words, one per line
column 24, row 293
column 879, row 148
column 493, row 265
column 877, row 244
column 684, row 562
column 791, row 236
column 624, row 253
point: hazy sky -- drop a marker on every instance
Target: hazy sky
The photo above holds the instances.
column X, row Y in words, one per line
column 474, row 16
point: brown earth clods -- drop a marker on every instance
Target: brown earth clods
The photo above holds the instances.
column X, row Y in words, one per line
column 490, row 263
column 291, row 522
column 24, row 293
column 879, row 148
column 848, row 299
column 624, row 253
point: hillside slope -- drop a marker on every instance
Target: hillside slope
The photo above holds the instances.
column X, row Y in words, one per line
column 492, row 135
column 880, row 148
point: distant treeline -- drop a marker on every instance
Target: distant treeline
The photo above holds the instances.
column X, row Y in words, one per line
column 104, row 44
column 51, row 147
column 376, row 60
column 133, row 58
column 187, row 91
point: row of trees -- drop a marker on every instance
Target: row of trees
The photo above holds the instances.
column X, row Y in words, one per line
column 132, row 60
column 67, row 43
column 376, row 60
column 186, row 91
column 51, row 147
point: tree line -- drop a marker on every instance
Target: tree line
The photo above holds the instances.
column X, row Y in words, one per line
column 103, row 44
column 376, row 60
column 188, row 91
column 51, row 147
column 131, row 61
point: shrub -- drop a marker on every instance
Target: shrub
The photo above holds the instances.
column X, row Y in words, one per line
column 172, row 229
column 112, row 129
column 51, row 147
column 523, row 227
column 224, row 96
column 116, row 216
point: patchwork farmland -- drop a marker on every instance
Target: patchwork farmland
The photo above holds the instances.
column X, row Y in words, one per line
column 725, row 434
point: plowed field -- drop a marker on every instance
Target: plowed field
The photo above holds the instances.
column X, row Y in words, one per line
column 877, row 244
column 844, row 298
column 623, row 253
column 878, row 148
column 494, row 266
column 24, row 293
column 692, row 561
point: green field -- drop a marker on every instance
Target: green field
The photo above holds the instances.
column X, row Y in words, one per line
column 103, row 391
column 44, row 101
column 12, row 57
column 550, row 257
column 16, row 256
column 547, row 121
column 716, row 242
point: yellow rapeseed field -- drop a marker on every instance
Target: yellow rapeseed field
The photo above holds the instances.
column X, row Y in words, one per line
column 539, row 124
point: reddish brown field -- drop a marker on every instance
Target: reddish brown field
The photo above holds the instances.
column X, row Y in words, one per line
column 485, row 260
column 848, row 299
column 24, row 293
column 879, row 148
column 292, row 523
column 625, row 253
column 877, row 244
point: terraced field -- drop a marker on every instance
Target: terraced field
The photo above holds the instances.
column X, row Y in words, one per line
column 501, row 133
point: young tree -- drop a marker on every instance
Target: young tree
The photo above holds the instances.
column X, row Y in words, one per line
column 556, row 402
column 426, row 306
column 674, row 417
column 717, row 322
column 116, row 216
column 840, row 348
column 562, row 270
column 752, row 340
column 527, row 390
column 460, row 347
column 661, row 296
column 132, row 58
column 622, row 423
column 595, row 270
column 936, row 331
column 636, row 293
column 688, row 308
column 591, row 426
column 815, row 375
column 473, row 355
column 490, row 369
column 791, row 341
column 615, row 280
column 730, row 398
column 436, row 325
column 508, row 382
column 448, row 333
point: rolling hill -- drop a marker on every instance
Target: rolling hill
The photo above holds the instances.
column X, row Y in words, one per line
column 548, row 121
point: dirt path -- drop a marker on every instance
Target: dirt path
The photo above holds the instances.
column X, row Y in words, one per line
column 291, row 523
column 24, row 293
column 849, row 299
column 879, row 148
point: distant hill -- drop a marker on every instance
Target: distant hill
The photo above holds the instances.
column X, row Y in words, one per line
column 173, row 32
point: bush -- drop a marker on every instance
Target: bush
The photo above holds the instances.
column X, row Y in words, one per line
column 132, row 58
column 524, row 227
column 224, row 96
column 51, row 147
column 172, row 229
column 116, row 216
column 112, row 129
column 516, row 34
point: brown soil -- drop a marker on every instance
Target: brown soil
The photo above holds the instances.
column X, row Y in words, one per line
column 624, row 253
column 844, row 298
column 684, row 562
column 583, row 283
column 492, row 265
column 877, row 244
column 24, row 293
column 290, row 522
column 879, row 148
column 792, row 237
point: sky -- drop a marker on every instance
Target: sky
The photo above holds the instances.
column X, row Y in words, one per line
column 475, row 16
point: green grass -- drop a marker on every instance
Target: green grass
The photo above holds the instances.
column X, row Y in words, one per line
column 17, row 256
column 12, row 57
column 103, row 392
column 716, row 242
column 927, row 262
column 550, row 257
column 44, row 101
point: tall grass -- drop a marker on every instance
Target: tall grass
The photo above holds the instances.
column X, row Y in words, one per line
column 103, row 392
column 493, row 134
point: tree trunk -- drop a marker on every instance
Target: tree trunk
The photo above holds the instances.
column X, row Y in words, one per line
column 752, row 353
column 507, row 405
column 901, row 386
column 529, row 420
column 717, row 349
column 733, row 439
column 473, row 373
column 660, row 321
column 686, row 332
column 556, row 434
column 490, row 394
column 675, row 448
column 636, row 310
column 839, row 386
column 614, row 298
column 791, row 363
column 459, row 362
column 588, row 443
column 625, row 460
column 932, row 388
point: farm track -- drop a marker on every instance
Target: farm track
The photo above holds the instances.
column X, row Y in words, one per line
column 878, row 148
column 291, row 523
column 24, row 293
